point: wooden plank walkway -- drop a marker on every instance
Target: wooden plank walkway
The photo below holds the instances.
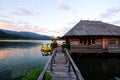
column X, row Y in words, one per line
column 61, row 66
column 60, row 70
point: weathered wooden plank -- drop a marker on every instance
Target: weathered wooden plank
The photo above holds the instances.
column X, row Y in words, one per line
column 74, row 67
column 60, row 68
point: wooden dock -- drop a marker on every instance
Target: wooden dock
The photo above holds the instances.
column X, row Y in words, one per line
column 61, row 66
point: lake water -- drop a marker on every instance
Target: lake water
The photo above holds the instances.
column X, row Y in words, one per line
column 19, row 56
column 98, row 67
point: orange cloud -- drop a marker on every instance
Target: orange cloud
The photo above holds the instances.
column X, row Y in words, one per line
column 12, row 26
column 6, row 25
column 38, row 30
column 21, row 27
column 58, row 32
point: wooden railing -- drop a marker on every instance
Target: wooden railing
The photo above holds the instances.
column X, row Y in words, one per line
column 73, row 65
column 50, row 61
column 68, row 59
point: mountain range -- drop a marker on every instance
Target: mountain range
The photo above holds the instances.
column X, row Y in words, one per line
column 8, row 34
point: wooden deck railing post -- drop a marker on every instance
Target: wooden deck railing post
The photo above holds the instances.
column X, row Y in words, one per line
column 69, row 67
column 66, row 58
column 51, row 65
column 50, row 62
column 77, row 78
column 74, row 67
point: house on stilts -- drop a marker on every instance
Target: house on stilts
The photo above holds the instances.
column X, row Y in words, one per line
column 93, row 37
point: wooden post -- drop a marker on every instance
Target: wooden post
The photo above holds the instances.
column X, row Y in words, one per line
column 105, row 43
column 69, row 67
column 117, row 41
column 77, row 77
column 51, row 65
column 53, row 59
column 66, row 57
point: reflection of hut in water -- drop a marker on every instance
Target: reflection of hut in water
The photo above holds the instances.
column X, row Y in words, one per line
column 94, row 37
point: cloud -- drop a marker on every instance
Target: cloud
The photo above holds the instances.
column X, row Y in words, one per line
column 1, row 8
column 3, row 16
column 20, row 27
column 62, row 6
column 21, row 11
column 111, row 15
column 6, row 21
column 110, row 12
column 60, row 31
column 6, row 25
column 3, row 13
column 12, row 26
column 38, row 29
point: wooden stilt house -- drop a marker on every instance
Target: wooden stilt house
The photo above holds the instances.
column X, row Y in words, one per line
column 93, row 37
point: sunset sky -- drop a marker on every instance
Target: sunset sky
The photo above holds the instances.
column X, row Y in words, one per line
column 55, row 17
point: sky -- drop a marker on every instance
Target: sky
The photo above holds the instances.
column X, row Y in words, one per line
column 55, row 17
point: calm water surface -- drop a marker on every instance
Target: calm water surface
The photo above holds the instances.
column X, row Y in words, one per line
column 19, row 56
column 98, row 68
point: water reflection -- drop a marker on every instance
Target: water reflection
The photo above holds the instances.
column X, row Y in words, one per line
column 16, row 58
column 18, row 44
column 3, row 54
column 98, row 68
column 46, row 53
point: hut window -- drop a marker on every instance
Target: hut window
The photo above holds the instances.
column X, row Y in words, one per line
column 112, row 41
column 81, row 40
column 93, row 41
column 85, row 41
column 89, row 41
column 98, row 41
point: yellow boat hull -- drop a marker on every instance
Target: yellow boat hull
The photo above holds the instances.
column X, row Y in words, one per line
column 46, row 49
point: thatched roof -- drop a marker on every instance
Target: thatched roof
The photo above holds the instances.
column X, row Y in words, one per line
column 93, row 28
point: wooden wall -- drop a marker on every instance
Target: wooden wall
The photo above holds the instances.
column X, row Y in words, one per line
column 93, row 44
